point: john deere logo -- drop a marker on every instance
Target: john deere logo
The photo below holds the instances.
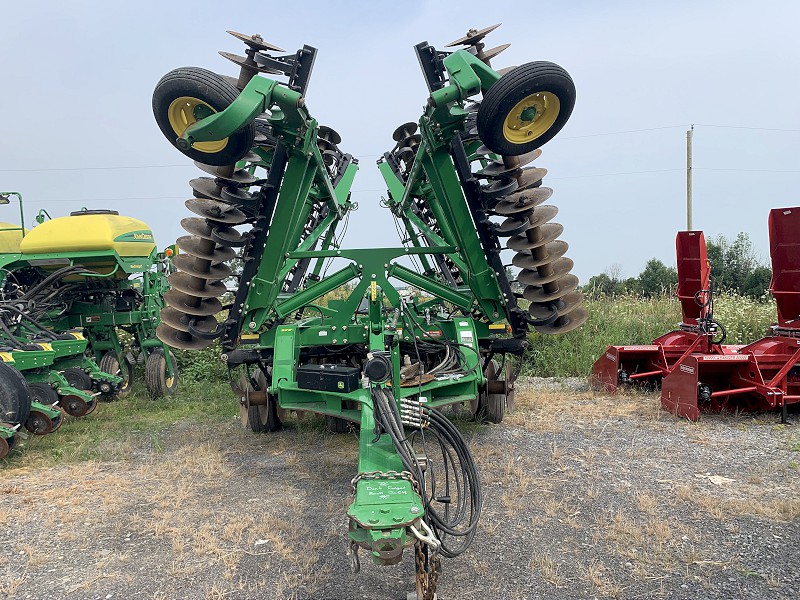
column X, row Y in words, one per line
column 135, row 236
column 340, row 385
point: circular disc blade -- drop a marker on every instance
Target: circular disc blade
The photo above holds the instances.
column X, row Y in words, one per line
column 180, row 321
column 530, row 177
column 552, row 251
column 566, row 284
column 405, row 130
column 547, row 233
column 199, row 247
column 246, row 63
column 523, row 200
column 237, row 176
column 180, row 301
column 194, row 286
column 329, row 135
column 512, row 226
column 565, row 323
column 568, row 303
column 216, row 211
column 206, row 187
column 180, row 339
column 560, row 267
column 255, row 41
column 492, row 52
column 186, row 264
column 473, row 36
column 197, row 226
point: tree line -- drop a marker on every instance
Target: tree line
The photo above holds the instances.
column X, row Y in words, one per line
column 735, row 267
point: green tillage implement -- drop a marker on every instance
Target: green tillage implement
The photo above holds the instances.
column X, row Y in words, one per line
column 386, row 359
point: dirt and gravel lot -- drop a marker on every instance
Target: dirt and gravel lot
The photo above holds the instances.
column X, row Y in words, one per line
column 586, row 496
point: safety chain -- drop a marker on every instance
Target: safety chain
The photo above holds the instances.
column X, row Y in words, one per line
column 428, row 566
column 388, row 475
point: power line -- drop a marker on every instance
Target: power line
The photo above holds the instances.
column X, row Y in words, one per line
column 746, row 127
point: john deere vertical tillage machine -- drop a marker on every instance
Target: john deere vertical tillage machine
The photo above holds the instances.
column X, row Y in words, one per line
column 387, row 360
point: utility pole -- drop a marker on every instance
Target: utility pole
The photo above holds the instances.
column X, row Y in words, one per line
column 689, row 178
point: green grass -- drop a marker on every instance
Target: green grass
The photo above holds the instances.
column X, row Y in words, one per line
column 629, row 319
column 119, row 430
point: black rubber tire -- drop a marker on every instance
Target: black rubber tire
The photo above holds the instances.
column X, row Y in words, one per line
column 43, row 393
column 109, row 363
column 15, row 397
column 78, row 378
column 215, row 91
column 491, row 408
column 513, row 87
column 337, row 424
column 155, row 374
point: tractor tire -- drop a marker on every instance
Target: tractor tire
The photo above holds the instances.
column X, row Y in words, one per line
column 176, row 100
column 109, row 363
column 77, row 378
column 43, row 393
column 155, row 375
column 525, row 108
column 15, row 397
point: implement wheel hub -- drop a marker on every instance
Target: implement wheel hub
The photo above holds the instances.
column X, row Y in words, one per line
column 531, row 117
column 185, row 111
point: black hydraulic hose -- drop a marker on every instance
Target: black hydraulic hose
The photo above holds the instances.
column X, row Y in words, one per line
column 455, row 452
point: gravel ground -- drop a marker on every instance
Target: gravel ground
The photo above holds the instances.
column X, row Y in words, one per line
column 586, row 496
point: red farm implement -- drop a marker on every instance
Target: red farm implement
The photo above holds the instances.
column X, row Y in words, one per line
column 695, row 336
column 764, row 375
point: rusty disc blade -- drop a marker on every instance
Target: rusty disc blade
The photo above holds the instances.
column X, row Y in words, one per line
column 566, row 304
column 523, row 201
column 565, row 323
column 227, row 236
column 255, row 41
column 197, row 226
column 200, row 248
column 499, row 188
column 559, row 268
column 542, row 214
column 196, row 286
column 405, row 130
column 237, row 195
column 186, row 303
column 216, row 211
column 547, row 233
column 505, row 70
column 206, row 187
column 512, row 226
column 237, row 176
column 473, row 36
column 181, row 321
column 180, row 339
column 246, row 63
column 329, row 135
column 552, row 251
column 186, row 264
column 492, row 52
column 566, row 284
column 530, row 177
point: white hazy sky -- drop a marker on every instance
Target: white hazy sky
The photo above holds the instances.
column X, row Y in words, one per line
column 77, row 79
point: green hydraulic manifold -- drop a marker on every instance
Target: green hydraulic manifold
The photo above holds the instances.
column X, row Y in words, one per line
column 376, row 345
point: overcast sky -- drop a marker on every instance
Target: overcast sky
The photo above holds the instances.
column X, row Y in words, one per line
column 77, row 80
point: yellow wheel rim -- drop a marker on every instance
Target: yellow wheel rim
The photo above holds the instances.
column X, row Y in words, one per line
column 531, row 117
column 170, row 381
column 181, row 114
